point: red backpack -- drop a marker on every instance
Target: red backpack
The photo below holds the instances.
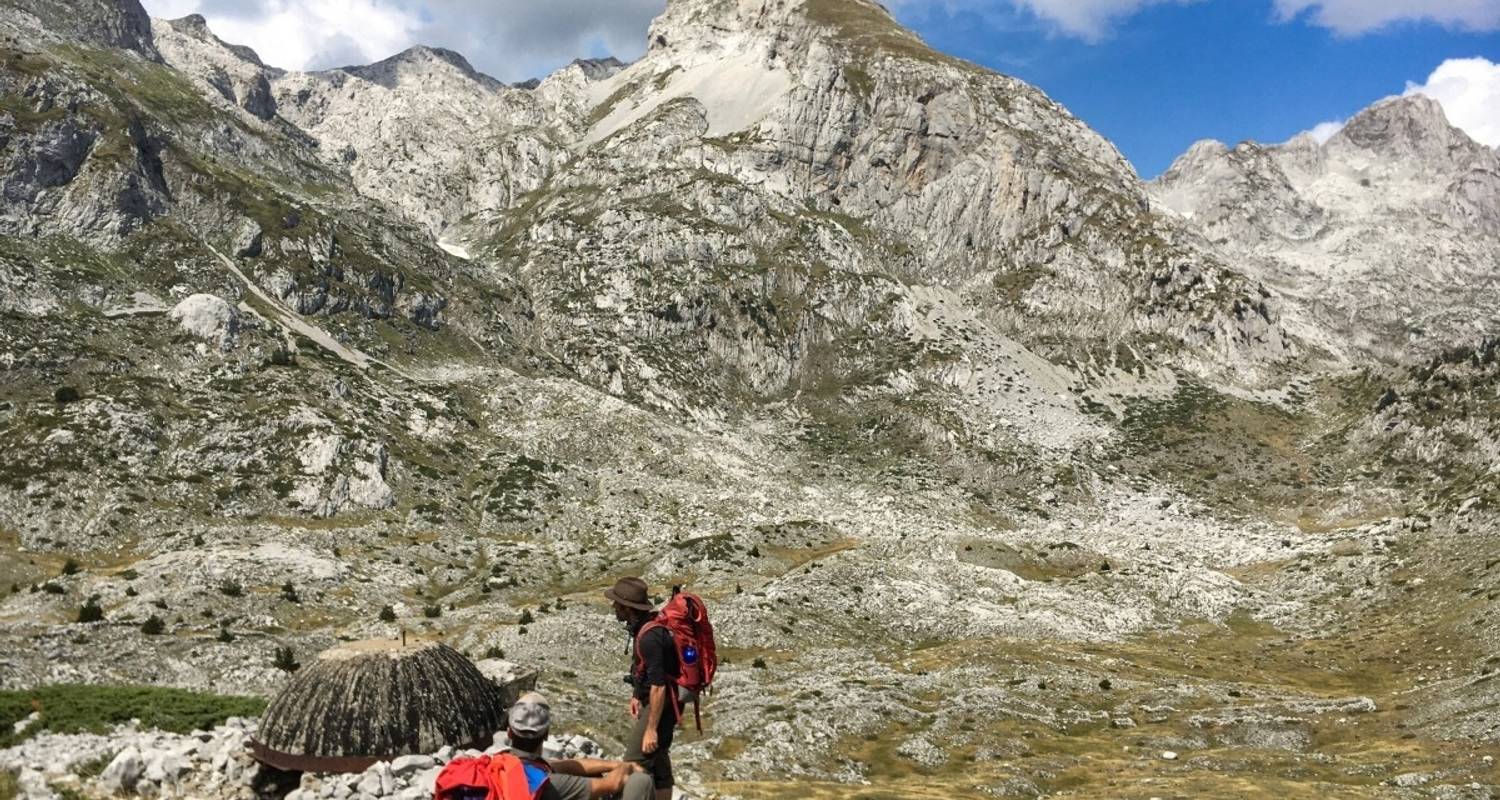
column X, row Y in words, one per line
column 686, row 618
column 503, row 777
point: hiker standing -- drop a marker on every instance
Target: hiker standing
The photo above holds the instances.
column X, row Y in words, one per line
column 655, row 669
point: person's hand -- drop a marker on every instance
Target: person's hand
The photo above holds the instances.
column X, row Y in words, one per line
column 635, row 708
column 648, row 743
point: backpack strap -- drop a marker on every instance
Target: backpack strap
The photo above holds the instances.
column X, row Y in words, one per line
column 640, row 661
column 512, row 780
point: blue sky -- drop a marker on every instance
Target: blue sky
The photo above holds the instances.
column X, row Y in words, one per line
column 1159, row 79
column 1152, row 75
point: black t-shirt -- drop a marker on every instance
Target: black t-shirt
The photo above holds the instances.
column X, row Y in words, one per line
column 660, row 655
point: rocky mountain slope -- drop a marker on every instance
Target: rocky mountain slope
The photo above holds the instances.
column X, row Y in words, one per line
column 891, row 357
column 1386, row 234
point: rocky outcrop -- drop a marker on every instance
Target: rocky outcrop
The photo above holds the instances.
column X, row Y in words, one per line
column 122, row 24
column 235, row 73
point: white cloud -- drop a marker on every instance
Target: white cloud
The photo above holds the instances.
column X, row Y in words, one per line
column 1354, row 17
column 1324, row 131
column 510, row 39
column 1090, row 20
column 1469, row 91
column 1094, row 20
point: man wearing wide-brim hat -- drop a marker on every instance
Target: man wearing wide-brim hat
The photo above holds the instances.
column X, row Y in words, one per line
column 654, row 670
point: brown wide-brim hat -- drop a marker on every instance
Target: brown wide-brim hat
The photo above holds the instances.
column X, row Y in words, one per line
column 631, row 593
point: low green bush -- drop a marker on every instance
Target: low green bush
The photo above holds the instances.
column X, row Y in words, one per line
column 72, row 708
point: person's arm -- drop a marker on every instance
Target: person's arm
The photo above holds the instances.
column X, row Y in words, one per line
column 613, row 782
column 583, row 767
column 653, row 719
column 660, row 650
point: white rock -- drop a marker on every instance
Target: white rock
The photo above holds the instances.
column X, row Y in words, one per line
column 208, row 317
column 406, row 765
column 426, row 780
column 1169, row 756
column 163, row 767
column 123, row 772
column 370, row 783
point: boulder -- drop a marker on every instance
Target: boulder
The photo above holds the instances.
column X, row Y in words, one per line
column 123, row 772
column 208, row 317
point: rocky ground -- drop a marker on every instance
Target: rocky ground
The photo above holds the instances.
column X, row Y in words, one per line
column 204, row 765
column 1004, row 473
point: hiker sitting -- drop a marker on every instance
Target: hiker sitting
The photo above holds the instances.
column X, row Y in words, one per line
column 570, row 779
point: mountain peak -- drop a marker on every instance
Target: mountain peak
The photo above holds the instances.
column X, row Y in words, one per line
column 196, row 27
column 421, row 59
column 1411, row 125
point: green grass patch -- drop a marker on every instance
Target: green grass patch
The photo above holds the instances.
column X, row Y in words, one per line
column 73, row 708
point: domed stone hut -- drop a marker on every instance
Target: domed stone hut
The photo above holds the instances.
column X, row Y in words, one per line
column 373, row 701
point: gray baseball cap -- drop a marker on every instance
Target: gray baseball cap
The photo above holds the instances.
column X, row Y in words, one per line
column 531, row 716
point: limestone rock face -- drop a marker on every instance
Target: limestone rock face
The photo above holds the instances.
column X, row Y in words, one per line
column 374, row 701
column 234, row 72
column 426, row 133
column 1383, row 240
column 105, row 23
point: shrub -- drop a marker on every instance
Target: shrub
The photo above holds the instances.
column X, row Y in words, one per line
column 66, row 394
column 494, row 652
column 231, row 589
column 285, row 660
column 526, row 617
column 90, row 611
column 197, row 540
column 758, row 663
column 224, row 635
column 70, row 567
column 52, row 588
column 130, row 591
column 432, row 612
column 153, row 626
column 71, row 708
column 387, row 614
column 289, row 593
column 159, row 603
